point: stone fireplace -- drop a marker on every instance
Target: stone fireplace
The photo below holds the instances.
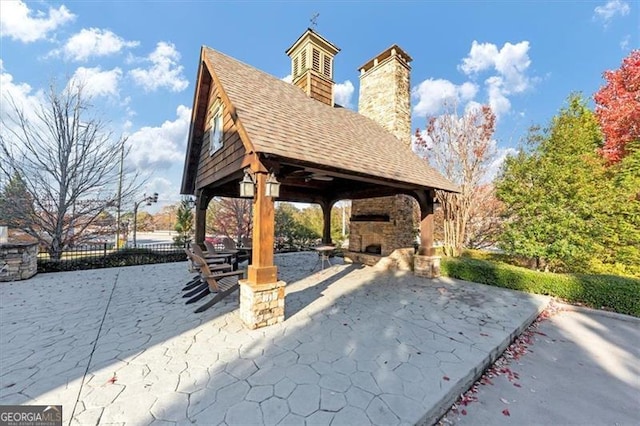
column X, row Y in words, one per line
column 390, row 222
column 386, row 223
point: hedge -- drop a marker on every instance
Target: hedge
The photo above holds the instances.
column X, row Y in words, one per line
column 124, row 257
column 609, row 292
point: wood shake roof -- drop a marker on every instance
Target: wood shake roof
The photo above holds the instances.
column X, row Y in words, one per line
column 281, row 120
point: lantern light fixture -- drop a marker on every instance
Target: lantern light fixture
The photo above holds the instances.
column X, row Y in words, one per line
column 247, row 186
column 272, row 187
column 247, row 189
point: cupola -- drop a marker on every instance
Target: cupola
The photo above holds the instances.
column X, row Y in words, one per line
column 312, row 65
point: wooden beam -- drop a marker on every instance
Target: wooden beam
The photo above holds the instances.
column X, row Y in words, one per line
column 262, row 270
column 326, row 221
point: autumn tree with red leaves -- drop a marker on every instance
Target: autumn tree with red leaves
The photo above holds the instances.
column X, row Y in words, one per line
column 461, row 148
column 230, row 217
column 618, row 107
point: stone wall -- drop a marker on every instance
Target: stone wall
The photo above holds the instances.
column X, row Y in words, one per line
column 385, row 98
column 261, row 305
column 18, row 261
column 399, row 232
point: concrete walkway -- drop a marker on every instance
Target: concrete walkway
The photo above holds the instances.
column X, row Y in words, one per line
column 581, row 368
column 358, row 346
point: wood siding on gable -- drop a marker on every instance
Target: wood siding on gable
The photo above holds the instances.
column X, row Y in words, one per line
column 227, row 159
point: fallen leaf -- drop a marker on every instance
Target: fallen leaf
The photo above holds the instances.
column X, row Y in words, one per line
column 518, row 385
column 113, row 379
column 504, row 401
column 445, row 378
column 463, row 412
column 506, row 412
column 484, row 334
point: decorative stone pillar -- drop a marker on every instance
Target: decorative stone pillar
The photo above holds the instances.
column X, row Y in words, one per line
column 426, row 266
column 262, row 294
column 261, row 304
column 18, row 260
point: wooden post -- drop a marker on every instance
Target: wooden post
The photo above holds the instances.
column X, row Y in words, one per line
column 261, row 294
column 425, row 262
column 326, row 222
column 426, row 227
column 262, row 269
column 201, row 221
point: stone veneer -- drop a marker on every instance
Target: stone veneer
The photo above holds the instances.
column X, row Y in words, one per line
column 426, row 266
column 399, row 232
column 18, row 260
column 385, row 92
column 261, row 304
column 385, row 98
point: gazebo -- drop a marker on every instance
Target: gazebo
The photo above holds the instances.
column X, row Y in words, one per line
column 250, row 126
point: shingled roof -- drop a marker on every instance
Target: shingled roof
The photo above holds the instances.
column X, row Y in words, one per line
column 281, row 120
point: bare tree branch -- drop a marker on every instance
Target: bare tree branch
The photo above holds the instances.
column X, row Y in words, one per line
column 64, row 159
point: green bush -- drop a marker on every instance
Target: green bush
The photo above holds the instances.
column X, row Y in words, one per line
column 610, row 292
column 124, row 257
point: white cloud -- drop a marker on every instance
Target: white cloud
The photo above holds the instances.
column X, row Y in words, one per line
column 481, row 57
column 609, row 11
column 168, row 191
column 96, row 82
column 494, row 168
column 18, row 93
column 433, row 94
column 507, row 66
column 343, row 92
column 510, row 62
column 624, row 43
column 18, row 22
column 164, row 71
column 287, row 78
column 498, row 102
column 163, row 146
column 93, row 42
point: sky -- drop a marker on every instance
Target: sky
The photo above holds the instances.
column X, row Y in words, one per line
column 139, row 59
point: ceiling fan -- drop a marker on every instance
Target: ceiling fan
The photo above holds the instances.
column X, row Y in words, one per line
column 308, row 176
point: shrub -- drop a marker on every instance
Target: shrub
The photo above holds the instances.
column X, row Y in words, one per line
column 124, row 257
column 610, row 292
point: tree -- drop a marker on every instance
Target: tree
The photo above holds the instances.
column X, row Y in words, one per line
column 165, row 218
column 485, row 218
column 618, row 107
column 184, row 223
column 556, row 193
column 621, row 243
column 16, row 204
column 64, row 157
column 232, row 218
column 461, row 148
column 145, row 221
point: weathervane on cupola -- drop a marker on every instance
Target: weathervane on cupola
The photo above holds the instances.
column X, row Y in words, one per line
column 314, row 20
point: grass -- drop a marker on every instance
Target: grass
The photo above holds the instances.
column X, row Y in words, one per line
column 609, row 292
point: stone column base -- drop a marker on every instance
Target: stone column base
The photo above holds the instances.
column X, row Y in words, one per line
column 261, row 304
column 426, row 266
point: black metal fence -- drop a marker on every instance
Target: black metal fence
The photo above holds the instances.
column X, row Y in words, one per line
column 105, row 255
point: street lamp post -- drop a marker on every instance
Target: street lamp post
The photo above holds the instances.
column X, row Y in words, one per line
column 148, row 200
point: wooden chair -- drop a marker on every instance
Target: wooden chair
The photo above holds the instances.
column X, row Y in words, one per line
column 210, row 257
column 233, row 253
column 194, row 266
column 221, row 284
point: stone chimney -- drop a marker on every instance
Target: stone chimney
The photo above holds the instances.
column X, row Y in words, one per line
column 312, row 66
column 385, row 98
column 385, row 92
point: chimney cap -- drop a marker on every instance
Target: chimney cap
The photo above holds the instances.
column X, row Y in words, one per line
column 393, row 50
column 323, row 42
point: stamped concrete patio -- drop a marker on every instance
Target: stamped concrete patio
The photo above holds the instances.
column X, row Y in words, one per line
column 358, row 346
